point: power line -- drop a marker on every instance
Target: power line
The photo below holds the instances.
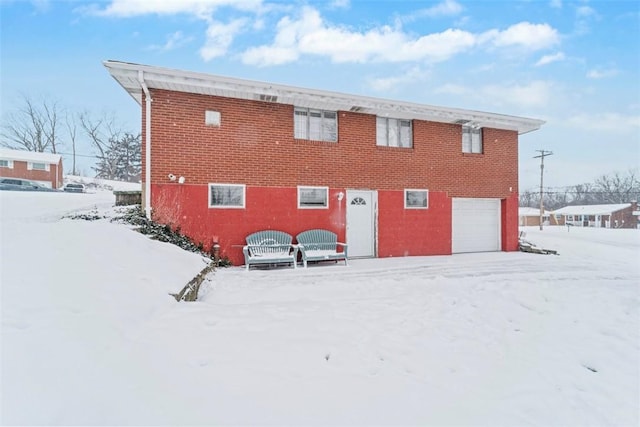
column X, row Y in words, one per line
column 80, row 155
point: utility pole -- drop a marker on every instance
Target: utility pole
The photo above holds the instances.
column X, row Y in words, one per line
column 543, row 154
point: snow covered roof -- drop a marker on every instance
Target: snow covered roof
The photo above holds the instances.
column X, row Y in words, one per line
column 132, row 76
column 530, row 211
column 29, row 156
column 591, row 209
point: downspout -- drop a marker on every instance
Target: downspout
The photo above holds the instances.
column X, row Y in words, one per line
column 147, row 138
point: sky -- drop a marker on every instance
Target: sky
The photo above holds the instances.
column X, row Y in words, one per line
column 482, row 339
column 574, row 64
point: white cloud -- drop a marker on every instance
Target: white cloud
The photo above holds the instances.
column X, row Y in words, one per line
column 308, row 34
column 219, row 38
column 453, row 89
column 584, row 16
column 340, row 4
column 311, row 35
column 446, row 8
column 556, row 4
column 200, row 8
column 269, row 55
column 41, row 6
column 386, row 84
column 602, row 73
column 548, row 59
column 174, row 41
column 585, row 11
column 607, row 122
column 537, row 93
column 525, row 35
column 534, row 94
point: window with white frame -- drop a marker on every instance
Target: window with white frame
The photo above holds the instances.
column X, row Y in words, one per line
column 393, row 132
column 315, row 125
column 416, row 199
column 37, row 166
column 227, row 195
column 313, row 197
column 471, row 139
column 6, row 163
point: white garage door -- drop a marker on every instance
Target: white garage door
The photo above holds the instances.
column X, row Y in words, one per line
column 476, row 225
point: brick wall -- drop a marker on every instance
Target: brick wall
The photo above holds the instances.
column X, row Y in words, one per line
column 254, row 145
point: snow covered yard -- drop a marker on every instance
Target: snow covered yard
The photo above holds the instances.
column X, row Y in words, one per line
column 90, row 335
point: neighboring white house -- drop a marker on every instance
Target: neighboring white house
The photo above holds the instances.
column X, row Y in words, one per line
column 599, row 216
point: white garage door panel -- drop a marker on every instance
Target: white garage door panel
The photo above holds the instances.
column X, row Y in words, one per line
column 476, row 225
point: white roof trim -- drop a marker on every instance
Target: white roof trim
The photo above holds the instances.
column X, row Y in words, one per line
column 592, row 209
column 126, row 74
column 527, row 211
column 29, row 156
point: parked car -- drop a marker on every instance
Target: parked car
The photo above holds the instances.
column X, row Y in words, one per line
column 19, row 184
column 74, row 188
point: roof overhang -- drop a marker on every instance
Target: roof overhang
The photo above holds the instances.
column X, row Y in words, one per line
column 130, row 76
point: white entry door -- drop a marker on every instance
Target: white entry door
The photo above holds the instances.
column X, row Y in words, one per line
column 475, row 225
column 361, row 223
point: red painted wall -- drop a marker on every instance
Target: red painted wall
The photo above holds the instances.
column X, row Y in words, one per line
column 255, row 146
column 510, row 223
column 406, row 232
column 20, row 170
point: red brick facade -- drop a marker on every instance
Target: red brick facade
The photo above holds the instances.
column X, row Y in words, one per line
column 255, row 145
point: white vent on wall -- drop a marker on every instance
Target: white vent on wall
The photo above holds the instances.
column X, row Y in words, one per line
column 212, row 118
column 268, row 98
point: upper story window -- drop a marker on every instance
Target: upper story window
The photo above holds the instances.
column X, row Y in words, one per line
column 393, row 132
column 313, row 197
column 471, row 139
column 315, row 125
column 6, row 163
column 36, row 166
column 227, row 195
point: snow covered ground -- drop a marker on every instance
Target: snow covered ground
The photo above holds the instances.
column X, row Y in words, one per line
column 90, row 335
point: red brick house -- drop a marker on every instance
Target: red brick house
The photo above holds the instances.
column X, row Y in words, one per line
column 45, row 168
column 225, row 157
column 618, row 215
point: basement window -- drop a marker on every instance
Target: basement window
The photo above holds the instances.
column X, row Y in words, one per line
column 315, row 125
column 6, row 164
column 313, row 197
column 227, row 195
column 416, row 199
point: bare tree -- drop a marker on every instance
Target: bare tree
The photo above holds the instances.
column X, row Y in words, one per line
column 618, row 188
column 33, row 127
column 529, row 199
column 101, row 132
column 98, row 130
column 72, row 129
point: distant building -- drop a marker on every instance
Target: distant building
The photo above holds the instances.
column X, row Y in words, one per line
column 599, row 216
column 531, row 216
column 44, row 168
